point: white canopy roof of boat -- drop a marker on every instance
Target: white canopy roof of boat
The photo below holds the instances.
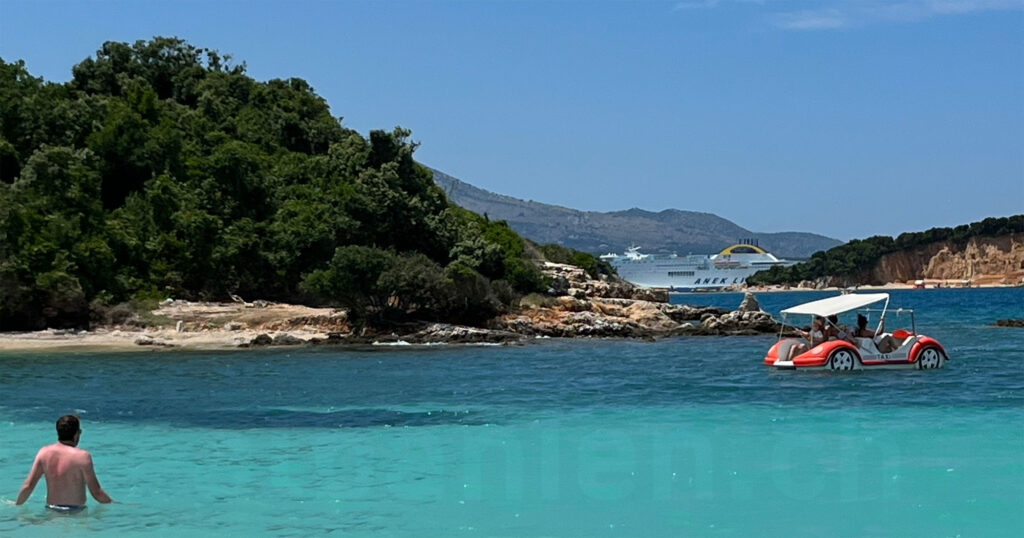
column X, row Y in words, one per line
column 837, row 305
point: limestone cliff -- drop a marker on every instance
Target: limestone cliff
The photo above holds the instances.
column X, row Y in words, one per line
column 980, row 260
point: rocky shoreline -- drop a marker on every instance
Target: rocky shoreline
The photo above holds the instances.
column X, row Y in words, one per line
column 575, row 307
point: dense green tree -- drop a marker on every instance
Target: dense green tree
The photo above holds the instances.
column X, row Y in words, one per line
column 53, row 238
column 473, row 300
column 163, row 170
column 416, row 287
column 351, row 280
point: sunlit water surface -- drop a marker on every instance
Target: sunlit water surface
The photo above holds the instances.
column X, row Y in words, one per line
column 686, row 436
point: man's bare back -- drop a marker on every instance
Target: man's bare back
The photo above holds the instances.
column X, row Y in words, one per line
column 68, row 471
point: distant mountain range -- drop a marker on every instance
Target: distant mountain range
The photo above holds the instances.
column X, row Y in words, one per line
column 668, row 231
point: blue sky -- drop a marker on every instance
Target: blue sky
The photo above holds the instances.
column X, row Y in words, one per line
column 848, row 118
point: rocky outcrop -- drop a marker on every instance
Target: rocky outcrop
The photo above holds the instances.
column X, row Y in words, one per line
column 261, row 340
column 1009, row 323
column 146, row 340
column 747, row 319
column 433, row 333
column 592, row 308
column 457, row 334
column 682, row 312
column 749, row 303
column 980, row 260
column 604, row 308
column 333, row 322
column 571, row 317
column 279, row 339
column 737, row 323
column 285, row 339
column 631, row 318
column 573, row 281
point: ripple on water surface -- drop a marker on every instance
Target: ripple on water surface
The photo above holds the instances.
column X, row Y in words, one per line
column 682, row 436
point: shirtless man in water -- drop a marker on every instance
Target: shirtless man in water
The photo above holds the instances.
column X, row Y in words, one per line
column 68, row 470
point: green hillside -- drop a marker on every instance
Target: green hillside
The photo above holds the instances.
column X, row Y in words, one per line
column 163, row 170
column 668, row 231
column 855, row 259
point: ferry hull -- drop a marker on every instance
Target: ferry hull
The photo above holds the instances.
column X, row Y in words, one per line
column 729, row 268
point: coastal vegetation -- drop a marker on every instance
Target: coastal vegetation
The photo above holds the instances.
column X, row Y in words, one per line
column 163, row 170
column 594, row 266
column 853, row 260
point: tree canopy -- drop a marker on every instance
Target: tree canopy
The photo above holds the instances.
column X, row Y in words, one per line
column 855, row 259
column 162, row 170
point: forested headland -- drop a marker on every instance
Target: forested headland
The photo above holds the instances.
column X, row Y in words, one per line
column 852, row 263
column 162, row 170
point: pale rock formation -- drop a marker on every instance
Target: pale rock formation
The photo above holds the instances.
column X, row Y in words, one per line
column 980, row 260
column 750, row 322
column 576, row 283
column 749, row 303
column 603, row 309
column 457, row 334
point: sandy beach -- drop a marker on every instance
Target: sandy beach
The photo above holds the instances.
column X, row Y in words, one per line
column 189, row 325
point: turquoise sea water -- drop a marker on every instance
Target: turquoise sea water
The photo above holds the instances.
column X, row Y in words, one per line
column 680, row 437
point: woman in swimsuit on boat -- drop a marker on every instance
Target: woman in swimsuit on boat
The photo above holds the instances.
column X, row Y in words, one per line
column 814, row 337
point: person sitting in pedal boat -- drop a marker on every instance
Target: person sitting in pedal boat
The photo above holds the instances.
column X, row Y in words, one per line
column 885, row 342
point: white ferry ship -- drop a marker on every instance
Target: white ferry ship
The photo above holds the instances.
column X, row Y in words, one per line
column 730, row 267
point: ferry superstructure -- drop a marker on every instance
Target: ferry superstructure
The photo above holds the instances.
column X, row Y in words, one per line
column 729, row 267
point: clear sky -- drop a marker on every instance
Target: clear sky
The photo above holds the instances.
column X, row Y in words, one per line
column 848, row 118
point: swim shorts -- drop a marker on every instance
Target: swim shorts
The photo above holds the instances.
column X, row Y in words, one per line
column 65, row 508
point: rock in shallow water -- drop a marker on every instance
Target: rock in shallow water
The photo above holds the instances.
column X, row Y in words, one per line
column 749, row 303
column 149, row 341
column 263, row 339
column 739, row 323
column 285, row 339
column 458, row 334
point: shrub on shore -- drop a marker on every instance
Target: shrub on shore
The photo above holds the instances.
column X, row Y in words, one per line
column 594, row 266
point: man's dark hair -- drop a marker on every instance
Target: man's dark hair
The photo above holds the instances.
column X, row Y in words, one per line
column 67, row 427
